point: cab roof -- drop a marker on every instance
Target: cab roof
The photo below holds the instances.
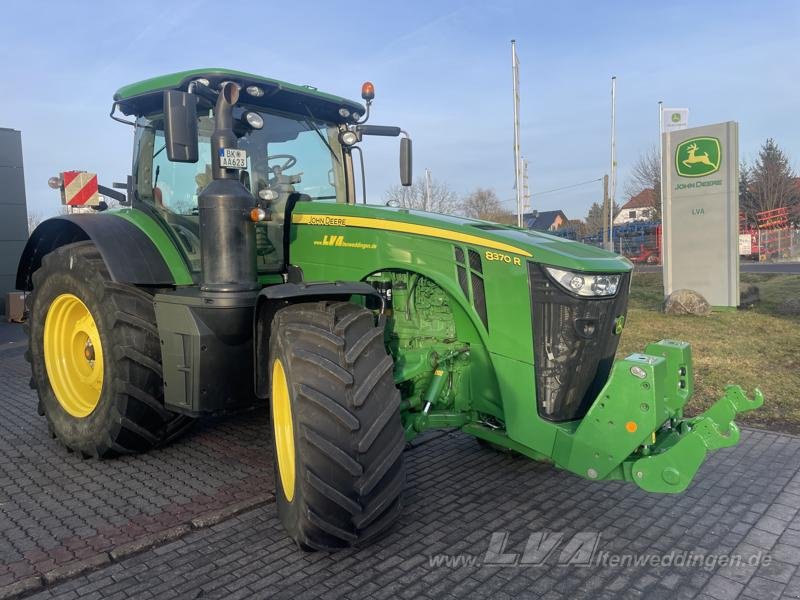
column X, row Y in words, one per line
column 146, row 97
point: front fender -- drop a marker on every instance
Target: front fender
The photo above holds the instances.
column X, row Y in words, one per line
column 272, row 298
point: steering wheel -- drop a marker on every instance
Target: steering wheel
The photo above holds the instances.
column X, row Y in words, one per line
column 289, row 160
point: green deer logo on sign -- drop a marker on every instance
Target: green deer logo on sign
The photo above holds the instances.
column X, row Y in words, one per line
column 697, row 157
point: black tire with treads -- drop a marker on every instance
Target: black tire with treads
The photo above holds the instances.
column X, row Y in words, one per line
column 130, row 415
column 348, row 436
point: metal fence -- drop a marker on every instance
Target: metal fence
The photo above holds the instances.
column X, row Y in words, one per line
column 641, row 243
column 777, row 244
column 638, row 241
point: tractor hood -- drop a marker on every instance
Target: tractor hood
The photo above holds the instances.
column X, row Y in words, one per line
column 532, row 245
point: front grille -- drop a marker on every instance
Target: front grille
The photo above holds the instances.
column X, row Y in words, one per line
column 573, row 344
column 479, row 299
column 475, row 261
column 462, row 280
column 475, row 274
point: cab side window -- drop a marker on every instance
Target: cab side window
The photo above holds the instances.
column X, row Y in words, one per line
column 176, row 185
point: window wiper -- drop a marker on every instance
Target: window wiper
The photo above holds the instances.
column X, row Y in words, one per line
column 311, row 123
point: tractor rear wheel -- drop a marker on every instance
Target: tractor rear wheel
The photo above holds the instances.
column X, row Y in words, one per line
column 338, row 437
column 95, row 357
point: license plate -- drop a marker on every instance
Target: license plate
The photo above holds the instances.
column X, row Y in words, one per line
column 231, row 158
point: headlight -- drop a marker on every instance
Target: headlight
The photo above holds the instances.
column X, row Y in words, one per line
column 585, row 284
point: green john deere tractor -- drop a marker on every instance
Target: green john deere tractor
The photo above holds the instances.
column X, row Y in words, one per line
column 241, row 268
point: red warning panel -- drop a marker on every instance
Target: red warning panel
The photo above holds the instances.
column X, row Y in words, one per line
column 79, row 188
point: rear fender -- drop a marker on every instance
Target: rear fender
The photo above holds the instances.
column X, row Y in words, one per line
column 129, row 254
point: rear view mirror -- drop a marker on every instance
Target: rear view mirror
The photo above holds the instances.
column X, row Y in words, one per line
column 180, row 126
column 405, row 161
column 385, row 130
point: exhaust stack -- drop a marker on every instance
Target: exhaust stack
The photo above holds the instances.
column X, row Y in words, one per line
column 228, row 237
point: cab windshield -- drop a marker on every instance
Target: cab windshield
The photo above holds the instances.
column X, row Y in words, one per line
column 288, row 155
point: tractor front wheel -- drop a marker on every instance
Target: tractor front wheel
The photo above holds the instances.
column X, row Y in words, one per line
column 95, row 357
column 338, row 437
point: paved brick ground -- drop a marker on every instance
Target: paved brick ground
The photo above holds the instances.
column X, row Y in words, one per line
column 745, row 502
column 56, row 508
column 458, row 495
column 11, row 334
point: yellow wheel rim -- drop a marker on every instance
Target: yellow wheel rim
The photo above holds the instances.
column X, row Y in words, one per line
column 73, row 355
column 283, row 429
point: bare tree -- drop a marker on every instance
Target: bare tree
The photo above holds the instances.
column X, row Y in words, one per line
column 111, row 203
column 484, row 204
column 770, row 180
column 646, row 173
column 34, row 218
column 442, row 199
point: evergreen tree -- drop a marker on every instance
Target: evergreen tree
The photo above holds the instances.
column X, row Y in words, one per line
column 771, row 181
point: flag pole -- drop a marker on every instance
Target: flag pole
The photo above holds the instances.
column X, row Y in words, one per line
column 517, row 158
column 613, row 191
column 526, row 189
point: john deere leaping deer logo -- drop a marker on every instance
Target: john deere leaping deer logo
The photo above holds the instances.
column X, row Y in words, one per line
column 697, row 157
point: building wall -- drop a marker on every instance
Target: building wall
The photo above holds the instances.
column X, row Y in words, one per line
column 13, row 211
column 558, row 223
column 629, row 215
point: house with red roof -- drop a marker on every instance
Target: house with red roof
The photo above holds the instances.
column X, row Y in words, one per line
column 641, row 207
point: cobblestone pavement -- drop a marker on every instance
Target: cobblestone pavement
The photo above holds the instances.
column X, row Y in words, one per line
column 460, row 498
column 11, row 334
column 56, row 509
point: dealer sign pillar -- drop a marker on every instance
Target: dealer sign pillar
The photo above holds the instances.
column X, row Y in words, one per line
column 701, row 212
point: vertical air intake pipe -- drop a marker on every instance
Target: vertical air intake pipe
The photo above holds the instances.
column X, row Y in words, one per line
column 227, row 235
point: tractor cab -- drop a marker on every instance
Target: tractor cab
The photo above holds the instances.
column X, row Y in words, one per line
column 295, row 146
column 289, row 138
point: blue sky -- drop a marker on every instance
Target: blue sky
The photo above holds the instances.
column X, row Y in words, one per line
column 441, row 71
